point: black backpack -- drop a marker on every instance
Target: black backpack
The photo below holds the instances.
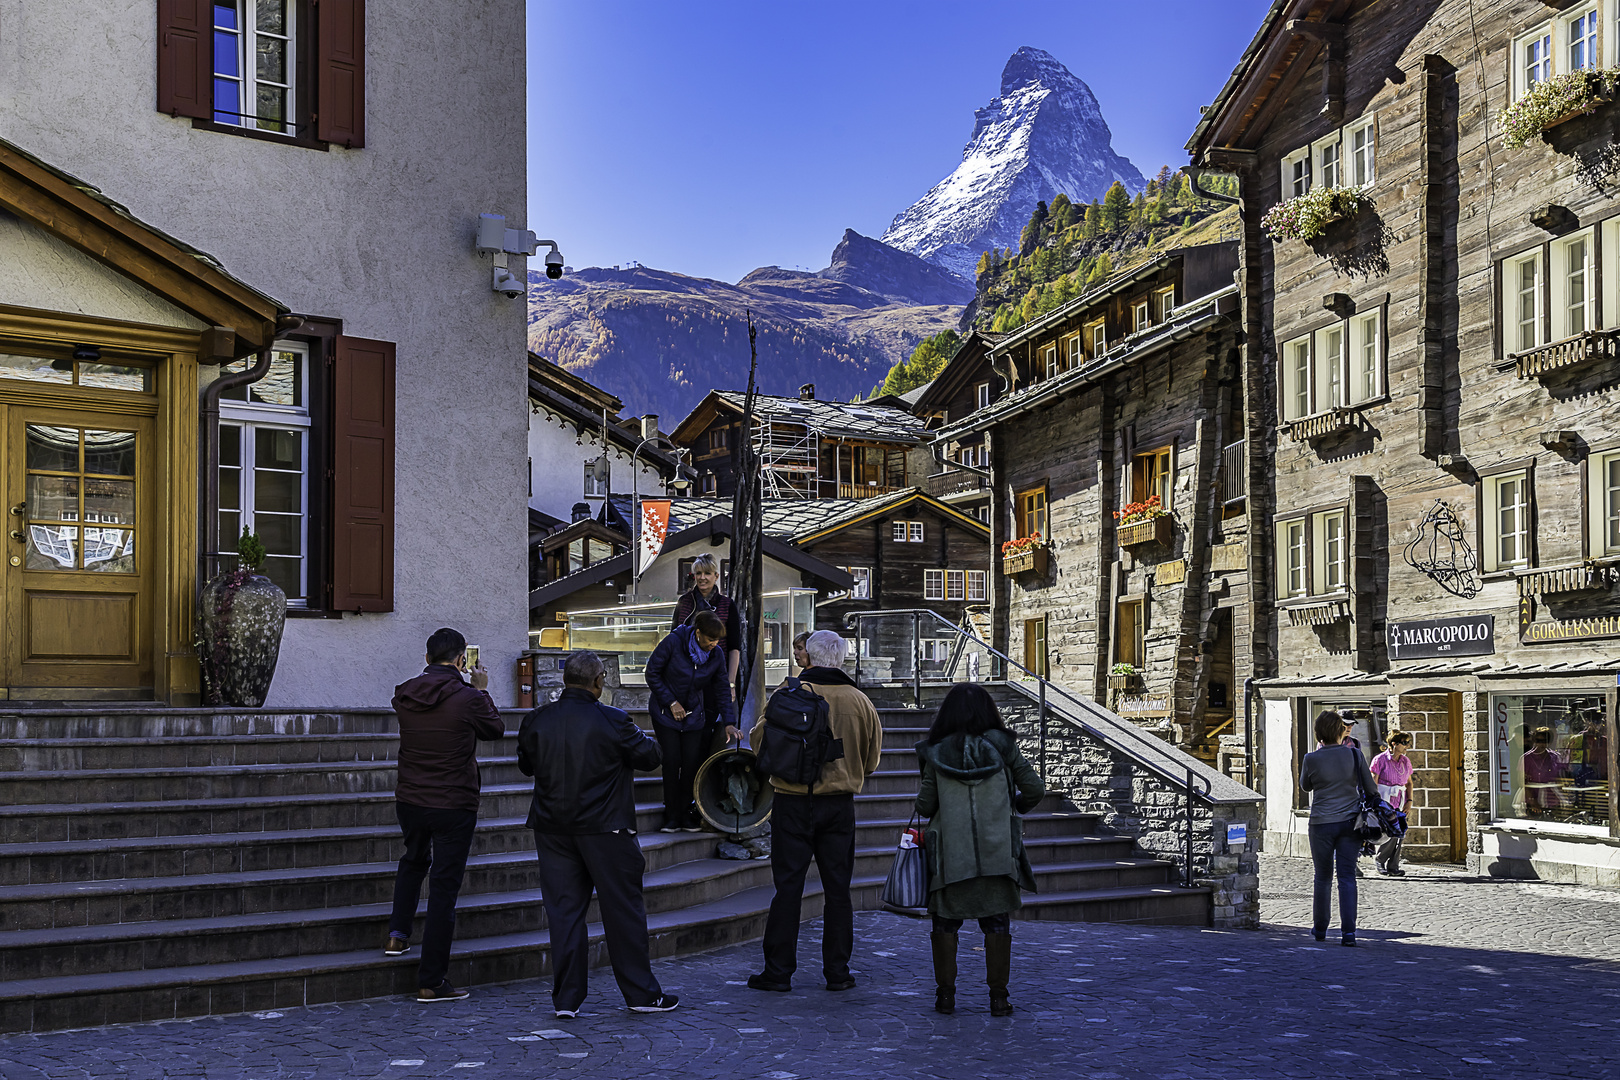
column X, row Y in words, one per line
column 797, row 740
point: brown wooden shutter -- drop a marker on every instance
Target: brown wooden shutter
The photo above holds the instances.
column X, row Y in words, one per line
column 340, row 72
column 363, row 476
column 185, row 58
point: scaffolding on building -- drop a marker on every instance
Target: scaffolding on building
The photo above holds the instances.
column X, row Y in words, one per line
column 789, row 459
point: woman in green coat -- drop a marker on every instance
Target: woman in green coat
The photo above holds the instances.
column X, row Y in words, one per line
column 975, row 784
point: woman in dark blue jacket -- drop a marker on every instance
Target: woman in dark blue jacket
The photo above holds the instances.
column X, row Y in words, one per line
column 690, row 696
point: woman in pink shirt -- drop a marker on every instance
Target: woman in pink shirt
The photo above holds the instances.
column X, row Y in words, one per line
column 1392, row 771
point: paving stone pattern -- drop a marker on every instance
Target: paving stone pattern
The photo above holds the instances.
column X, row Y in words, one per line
column 1455, row 977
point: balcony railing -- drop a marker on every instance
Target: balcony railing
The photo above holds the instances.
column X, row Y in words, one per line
column 1323, row 425
column 955, row 482
column 1572, row 351
column 865, row 491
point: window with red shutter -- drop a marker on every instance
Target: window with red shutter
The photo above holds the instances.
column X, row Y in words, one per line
column 185, row 48
column 363, row 476
column 340, row 72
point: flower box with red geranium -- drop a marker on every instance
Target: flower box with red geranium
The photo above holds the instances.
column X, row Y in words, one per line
column 1143, row 522
column 1023, row 555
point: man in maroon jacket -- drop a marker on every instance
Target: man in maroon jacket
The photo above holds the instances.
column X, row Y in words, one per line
column 441, row 719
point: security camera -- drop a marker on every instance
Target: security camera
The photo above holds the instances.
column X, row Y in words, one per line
column 506, row 283
column 554, row 264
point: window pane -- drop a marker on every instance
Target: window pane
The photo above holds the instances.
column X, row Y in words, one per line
column 109, row 452
column 108, row 502
column 271, row 16
column 287, row 574
column 53, row 449
column 1612, row 501
column 34, row 369
column 53, row 498
column 230, row 445
column 281, row 534
column 1529, row 304
column 277, row 448
column 1575, row 288
column 1583, row 52
column 116, row 377
column 109, row 551
column 52, row 547
column 230, row 527
column 271, row 106
column 281, row 492
column 1552, row 753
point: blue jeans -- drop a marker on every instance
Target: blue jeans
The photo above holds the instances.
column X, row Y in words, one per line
column 1334, row 842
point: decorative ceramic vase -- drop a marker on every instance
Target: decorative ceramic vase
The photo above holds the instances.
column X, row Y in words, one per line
column 239, row 624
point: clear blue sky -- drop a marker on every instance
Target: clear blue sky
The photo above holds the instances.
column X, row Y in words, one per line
column 714, row 136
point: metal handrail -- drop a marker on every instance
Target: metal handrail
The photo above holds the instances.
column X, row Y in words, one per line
column 1191, row 784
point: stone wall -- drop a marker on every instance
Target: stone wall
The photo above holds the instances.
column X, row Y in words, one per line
column 1136, row 802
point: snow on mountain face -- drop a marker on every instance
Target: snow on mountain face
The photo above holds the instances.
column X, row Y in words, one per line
column 1043, row 135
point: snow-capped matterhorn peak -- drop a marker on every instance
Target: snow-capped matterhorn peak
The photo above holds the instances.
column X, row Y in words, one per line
column 1043, row 135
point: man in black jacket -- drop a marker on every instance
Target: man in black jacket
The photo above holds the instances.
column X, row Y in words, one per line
column 441, row 720
column 583, row 756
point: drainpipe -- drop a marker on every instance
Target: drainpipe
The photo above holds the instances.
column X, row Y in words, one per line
column 1248, row 732
column 210, row 441
column 1194, row 173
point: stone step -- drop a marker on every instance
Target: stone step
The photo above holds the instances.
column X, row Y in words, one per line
column 133, row 946
column 72, row 1001
column 195, row 751
column 151, row 723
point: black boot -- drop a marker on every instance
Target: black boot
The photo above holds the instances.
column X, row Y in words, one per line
column 997, row 967
column 944, row 971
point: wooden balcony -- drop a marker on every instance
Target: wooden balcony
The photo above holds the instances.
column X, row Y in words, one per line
column 1153, row 530
column 1584, row 348
column 956, row 482
column 865, row 491
column 1323, row 425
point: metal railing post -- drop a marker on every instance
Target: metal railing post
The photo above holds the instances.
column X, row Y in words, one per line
column 916, row 659
column 1188, row 874
column 1043, row 730
column 860, row 624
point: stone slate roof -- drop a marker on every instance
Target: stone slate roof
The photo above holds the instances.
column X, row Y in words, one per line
column 785, row 519
column 853, row 420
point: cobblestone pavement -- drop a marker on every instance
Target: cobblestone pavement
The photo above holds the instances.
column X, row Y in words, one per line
column 1454, row 978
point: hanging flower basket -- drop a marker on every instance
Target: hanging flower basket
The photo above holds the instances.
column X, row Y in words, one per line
column 1553, row 101
column 1143, row 522
column 1022, row 555
column 1308, row 216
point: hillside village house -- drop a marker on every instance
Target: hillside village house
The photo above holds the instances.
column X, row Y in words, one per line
column 1115, row 448
column 156, row 191
column 808, row 449
column 1437, row 368
column 965, row 385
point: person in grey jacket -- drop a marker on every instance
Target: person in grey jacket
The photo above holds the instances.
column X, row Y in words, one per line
column 1337, row 777
column 975, row 784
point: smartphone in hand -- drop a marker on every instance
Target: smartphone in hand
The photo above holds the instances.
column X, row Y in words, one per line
column 472, row 657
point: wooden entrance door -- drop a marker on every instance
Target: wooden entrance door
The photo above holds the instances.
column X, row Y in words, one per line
column 79, row 554
column 1458, row 764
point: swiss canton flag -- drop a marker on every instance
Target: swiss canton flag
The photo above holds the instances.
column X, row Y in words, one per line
column 654, row 529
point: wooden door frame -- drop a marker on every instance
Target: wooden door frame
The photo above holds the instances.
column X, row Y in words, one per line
column 1458, row 766
column 174, row 477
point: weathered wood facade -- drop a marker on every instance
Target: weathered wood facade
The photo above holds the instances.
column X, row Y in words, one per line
column 1125, row 394
column 1436, row 376
column 964, row 386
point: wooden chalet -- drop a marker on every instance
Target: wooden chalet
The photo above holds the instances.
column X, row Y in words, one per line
column 1434, row 355
column 965, row 385
column 809, row 449
column 1124, row 395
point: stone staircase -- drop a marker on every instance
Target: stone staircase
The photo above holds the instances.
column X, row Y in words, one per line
column 169, row 863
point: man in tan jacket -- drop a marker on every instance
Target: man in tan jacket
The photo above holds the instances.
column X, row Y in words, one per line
column 820, row 826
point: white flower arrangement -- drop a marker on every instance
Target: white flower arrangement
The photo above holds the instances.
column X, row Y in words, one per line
column 1307, row 216
column 1553, row 100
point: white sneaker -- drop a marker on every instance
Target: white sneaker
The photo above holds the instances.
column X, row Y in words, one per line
column 567, row 1014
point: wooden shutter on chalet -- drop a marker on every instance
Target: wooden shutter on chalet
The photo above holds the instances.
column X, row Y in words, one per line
column 1366, row 573
column 185, row 68
column 363, row 476
column 340, row 72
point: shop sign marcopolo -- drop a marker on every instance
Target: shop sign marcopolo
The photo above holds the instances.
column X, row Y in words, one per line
column 1464, row 635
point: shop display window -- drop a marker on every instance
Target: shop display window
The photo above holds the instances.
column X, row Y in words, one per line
column 1551, row 758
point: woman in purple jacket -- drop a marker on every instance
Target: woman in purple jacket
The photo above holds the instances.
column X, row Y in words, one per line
column 690, row 697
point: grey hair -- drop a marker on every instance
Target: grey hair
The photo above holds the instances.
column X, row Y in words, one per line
column 706, row 562
column 583, row 669
column 825, row 649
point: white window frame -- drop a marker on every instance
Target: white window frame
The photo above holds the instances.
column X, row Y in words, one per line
column 955, row 585
column 1165, row 303
column 933, row 584
column 1495, row 516
column 1296, row 173
column 1366, row 349
column 897, row 532
column 1075, row 347
column 1049, row 361
column 1556, row 45
column 981, row 395
column 1330, row 552
column 1096, row 334
column 1141, row 319
column 1603, row 497
column 907, row 532
column 1293, row 560
column 1589, row 42
column 862, row 588
column 1327, row 161
column 1361, row 160
column 1525, row 306
column 1530, row 68
column 1327, row 366
column 250, row 416
column 1297, row 390
column 977, row 586
column 247, row 81
column 1565, row 285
